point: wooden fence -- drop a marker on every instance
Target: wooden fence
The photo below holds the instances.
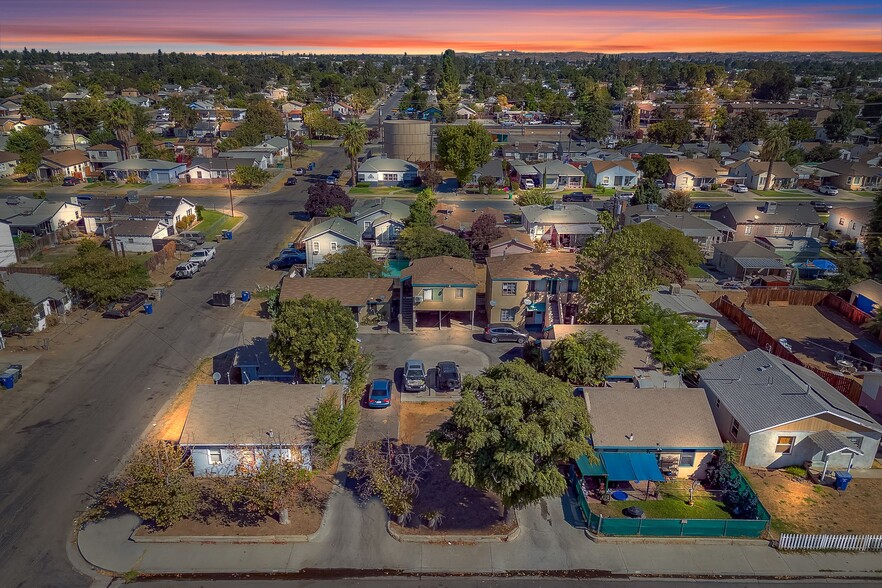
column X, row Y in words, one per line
column 848, row 387
column 161, row 257
column 850, row 313
column 785, row 296
column 830, row 542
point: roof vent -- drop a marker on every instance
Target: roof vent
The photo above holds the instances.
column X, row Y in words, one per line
column 13, row 201
column 675, row 289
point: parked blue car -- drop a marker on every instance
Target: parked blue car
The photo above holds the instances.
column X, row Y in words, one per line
column 287, row 259
column 380, row 395
column 701, row 206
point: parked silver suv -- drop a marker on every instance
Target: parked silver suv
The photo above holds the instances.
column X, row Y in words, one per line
column 414, row 376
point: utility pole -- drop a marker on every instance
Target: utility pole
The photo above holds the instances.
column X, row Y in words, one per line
column 229, row 183
column 109, row 211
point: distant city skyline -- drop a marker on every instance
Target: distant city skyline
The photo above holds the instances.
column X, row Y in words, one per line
column 396, row 26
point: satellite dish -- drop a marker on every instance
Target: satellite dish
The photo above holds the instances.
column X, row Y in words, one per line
column 492, row 303
column 216, row 377
column 527, row 302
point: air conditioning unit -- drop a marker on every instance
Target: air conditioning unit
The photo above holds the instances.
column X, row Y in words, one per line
column 417, row 299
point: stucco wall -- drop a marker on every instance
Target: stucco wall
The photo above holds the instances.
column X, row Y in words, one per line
column 232, row 456
column 761, row 451
column 324, row 240
column 445, row 298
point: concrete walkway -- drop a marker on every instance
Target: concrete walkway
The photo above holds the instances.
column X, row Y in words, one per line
column 353, row 537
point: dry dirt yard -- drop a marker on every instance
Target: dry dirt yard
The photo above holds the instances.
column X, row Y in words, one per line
column 416, row 419
column 816, row 333
column 798, row 506
column 724, row 344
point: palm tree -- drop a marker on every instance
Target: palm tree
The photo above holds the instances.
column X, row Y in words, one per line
column 776, row 143
column 354, row 138
column 120, row 117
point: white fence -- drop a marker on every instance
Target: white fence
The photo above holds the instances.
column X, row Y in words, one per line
column 830, row 542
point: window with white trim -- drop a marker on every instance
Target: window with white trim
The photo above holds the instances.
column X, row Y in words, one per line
column 334, row 246
column 784, row 444
column 215, row 457
column 459, row 293
column 507, row 315
column 857, row 440
column 687, row 458
column 778, row 230
column 390, row 177
column 736, row 426
column 509, row 288
column 428, row 294
column 748, row 229
column 315, row 247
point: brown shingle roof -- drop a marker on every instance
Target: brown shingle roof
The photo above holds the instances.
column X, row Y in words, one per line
column 7, row 156
column 461, row 219
column 780, row 169
column 700, row 168
column 66, row 158
column 349, row 291
column 536, row 266
column 511, row 235
column 35, row 122
column 600, row 166
column 441, row 270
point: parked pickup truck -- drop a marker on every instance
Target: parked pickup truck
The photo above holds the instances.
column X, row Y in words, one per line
column 187, row 269
column 202, row 255
column 126, row 306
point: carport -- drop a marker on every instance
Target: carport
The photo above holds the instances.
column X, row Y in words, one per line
column 621, row 467
column 832, row 444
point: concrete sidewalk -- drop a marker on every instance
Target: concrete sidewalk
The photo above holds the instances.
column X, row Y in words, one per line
column 353, row 537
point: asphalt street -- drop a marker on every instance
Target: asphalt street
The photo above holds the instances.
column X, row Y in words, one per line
column 427, row 581
column 86, row 418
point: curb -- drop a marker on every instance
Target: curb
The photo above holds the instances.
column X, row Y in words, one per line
column 406, row 538
column 221, row 538
column 676, row 540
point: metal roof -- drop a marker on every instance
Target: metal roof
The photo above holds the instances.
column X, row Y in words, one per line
column 685, row 302
column 833, row 442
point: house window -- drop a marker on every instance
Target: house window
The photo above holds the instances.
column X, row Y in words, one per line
column 334, row 246
column 748, row 229
column 785, row 444
column 606, row 180
column 687, row 458
column 102, row 154
column 367, row 225
column 509, row 288
column 507, row 315
column 778, row 230
column 214, row 457
column 390, row 177
column 841, row 222
column 848, row 180
column 315, row 247
column 717, row 404
column 428, row 294
column 856, row 440
column 736, row 426
column 460, row 293
column 198, row 175
column 131, row 239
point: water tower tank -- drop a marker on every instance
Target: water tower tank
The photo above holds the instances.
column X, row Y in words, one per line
column 407, row 139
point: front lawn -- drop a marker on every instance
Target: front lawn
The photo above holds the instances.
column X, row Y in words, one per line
column 213, row 222
column 666, row 508
column 384, row 190
column 695, row 272
column 783, row 194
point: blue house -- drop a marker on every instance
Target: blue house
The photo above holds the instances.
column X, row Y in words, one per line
column 432, row 113
column 231, row 428
column 153, row 171
column 866, row 295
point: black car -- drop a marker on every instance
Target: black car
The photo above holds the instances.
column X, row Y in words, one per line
column 496, row 332
column 292, row 181
column 821, row 206
column 447, row 376
column 577, row 197
column 337, row 173
column 287, row 260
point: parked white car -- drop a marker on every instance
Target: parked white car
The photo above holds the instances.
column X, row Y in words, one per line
column 739, row 188
column 828, row 190
column 202, row 256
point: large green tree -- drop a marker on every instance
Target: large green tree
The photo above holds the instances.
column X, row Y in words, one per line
column 614, row 275
column 873, row 240
column 670, row 251
column 422, row 210
column 16, row 313
column 99, row 276
column 677, row 201
column 463, row 149
column 774, row 147
column 314, row 336
column 584, row 358
column 539, row 196
column 29, row 143
column 749, row 125
column 511, row 431
column 800, row 129
column 595, row 116
column 838, row 125
column 119, row 117
column 350, row 262
column 354, row 138
column 421, row 241
column 250, row 176
column 675, row 342
column 654, row 166
column 34, row 106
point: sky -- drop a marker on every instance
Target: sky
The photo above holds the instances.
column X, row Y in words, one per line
column 421, row 26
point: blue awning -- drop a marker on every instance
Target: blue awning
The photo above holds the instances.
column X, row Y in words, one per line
column 537, row 307
column 589, row 469
column 626, row 467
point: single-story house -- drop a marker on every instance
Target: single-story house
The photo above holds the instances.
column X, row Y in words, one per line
column 532, row 290
column 167, row 209
column 263, row 158
column 433, row 287
column 704, row 232
column 530, row 150
column 493, row 169
column 71, row 162
column 771, row 219
column 866, row 295
column 387, row 212
column 46, row 293
column 786, row 414
column 139, row 236
column 792, row 249
column 744, row 259
column 512, row 242
column 852, row 223
column 235, row 427
column 637, row 359
column 692, row 174
column 8, row 163
column 641, row 150
column 366, row 297
column 330, row 236
column 215, row 170
column 560, row 225
column 455, row 220
column 611, row 174
column 853, row 175
column 37, row 216
column 754, row 174
column 559, row 175
column 153, row 171
column 688, row 304
column 675, row 425
column 383, row 171
column 278, row 144
column 465, row 112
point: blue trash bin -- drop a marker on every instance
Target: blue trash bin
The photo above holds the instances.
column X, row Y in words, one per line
column 7, row 381
column 246, row 295
column 148, row 308
column 228, row 235
column 842, row 480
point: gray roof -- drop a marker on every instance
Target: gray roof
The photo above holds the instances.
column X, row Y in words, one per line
column 22, row 211
column 673, row 418
column 394, row 208
column 221, row 163
column 337, row 225
column 565, row 215
column 385, row 164
column 144, row 207
column 34, row 287
column 745, row 249
column 647, row 148
column 135, row 228
column 801, row 213
column 249, row 153
column 556, row 167
column 144, row 164
column 244, row 414
column 833, row 442
column 492, row 168
column 762, row 390
column 686, row 302
column 277, row 142
column 691, row 226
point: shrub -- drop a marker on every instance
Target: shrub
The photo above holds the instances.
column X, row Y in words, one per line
column 331, row 426
column 199, row 209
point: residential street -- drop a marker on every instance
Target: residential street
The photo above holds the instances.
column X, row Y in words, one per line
column 90, row 403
